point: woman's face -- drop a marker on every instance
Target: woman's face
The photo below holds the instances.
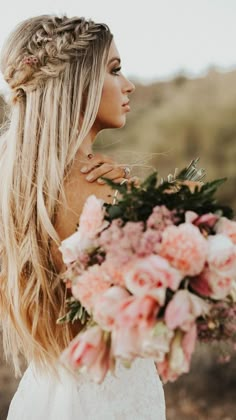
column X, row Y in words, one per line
column 114, row 106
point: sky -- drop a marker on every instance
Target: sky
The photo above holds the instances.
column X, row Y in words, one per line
column 157, row 39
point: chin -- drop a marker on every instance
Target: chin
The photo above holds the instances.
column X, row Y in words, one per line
column 118, row 123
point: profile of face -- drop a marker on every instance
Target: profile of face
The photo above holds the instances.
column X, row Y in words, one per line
column 114, row 106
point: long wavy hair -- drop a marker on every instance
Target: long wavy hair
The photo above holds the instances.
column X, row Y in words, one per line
column 55, row 67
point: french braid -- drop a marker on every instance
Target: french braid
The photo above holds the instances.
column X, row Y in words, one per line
column 56, row 42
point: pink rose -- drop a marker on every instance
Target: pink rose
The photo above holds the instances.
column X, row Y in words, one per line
column 113, row 272
column 213, row 284
column 137, row 311
column 185, row 248
column 107, row 305
column 92, row 217
column 183, row 309
column 227, row 227
column 88, row 287
column 221, row 255
column 178, row 360
column 89, row 351
column 151, row 276
column 157, row 341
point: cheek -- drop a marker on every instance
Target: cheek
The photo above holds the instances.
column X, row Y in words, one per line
column 110, row 112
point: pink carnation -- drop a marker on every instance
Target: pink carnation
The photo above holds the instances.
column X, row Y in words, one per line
column 185, row 248
column 89, row 286
column 151, row 276
column 227, row 227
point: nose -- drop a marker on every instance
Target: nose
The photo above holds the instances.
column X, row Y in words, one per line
column 129, row 87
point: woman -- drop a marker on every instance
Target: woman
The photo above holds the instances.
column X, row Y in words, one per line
column 67, row 86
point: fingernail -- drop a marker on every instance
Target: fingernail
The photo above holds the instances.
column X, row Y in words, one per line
column 84, row 169
column 100, row 181
column 89, row 177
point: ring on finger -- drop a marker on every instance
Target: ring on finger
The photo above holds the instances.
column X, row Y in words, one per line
column 126, row 171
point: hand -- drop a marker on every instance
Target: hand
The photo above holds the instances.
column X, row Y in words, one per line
column 101, row 165
column 191, row 184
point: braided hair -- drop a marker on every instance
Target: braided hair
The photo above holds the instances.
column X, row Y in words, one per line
column 55, row 68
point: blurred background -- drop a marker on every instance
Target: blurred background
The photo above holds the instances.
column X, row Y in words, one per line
column 181, row 57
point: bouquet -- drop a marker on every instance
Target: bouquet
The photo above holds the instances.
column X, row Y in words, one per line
column 150, row 275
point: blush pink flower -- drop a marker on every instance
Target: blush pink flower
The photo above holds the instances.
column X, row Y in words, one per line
column 221, row 255
column 185, row 248
column 227, row 227
column 134, row 320
column 89, row 286
column 160, row 218
column 127, row 342
column 114, row 272
column 137, row 311
column 106, row 307
column 156, row 342
column 213, row 284
column 89, row 351
column 73, row 246
column 92, row 217
column 151, row 276
column 208, row 219
column 178, row 360
column 149, row 243
column 183, row 309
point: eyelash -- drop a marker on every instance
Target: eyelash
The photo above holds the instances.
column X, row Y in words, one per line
column 115, row 71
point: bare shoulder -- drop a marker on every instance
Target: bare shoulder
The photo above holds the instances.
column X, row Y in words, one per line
column 77, row 190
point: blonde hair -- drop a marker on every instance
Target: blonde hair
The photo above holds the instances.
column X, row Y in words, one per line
column 62, row 83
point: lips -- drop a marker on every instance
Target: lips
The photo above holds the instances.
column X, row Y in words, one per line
column 126, row 103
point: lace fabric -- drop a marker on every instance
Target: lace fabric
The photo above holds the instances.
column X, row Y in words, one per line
column 132, row 394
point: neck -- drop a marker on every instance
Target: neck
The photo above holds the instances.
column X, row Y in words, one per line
column 86, row 146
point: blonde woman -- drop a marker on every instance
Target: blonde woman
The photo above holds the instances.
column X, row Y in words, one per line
column 66, row 84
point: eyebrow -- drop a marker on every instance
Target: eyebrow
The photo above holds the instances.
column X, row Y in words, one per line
column 114, row 59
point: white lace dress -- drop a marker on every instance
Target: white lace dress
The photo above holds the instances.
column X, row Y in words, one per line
column 133, row 394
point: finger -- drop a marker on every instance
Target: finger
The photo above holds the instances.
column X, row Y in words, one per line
column 107, row 170
column 135, row 180
column 95, row 161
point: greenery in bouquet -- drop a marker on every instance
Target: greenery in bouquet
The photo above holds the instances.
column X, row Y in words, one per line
column 149, row 275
